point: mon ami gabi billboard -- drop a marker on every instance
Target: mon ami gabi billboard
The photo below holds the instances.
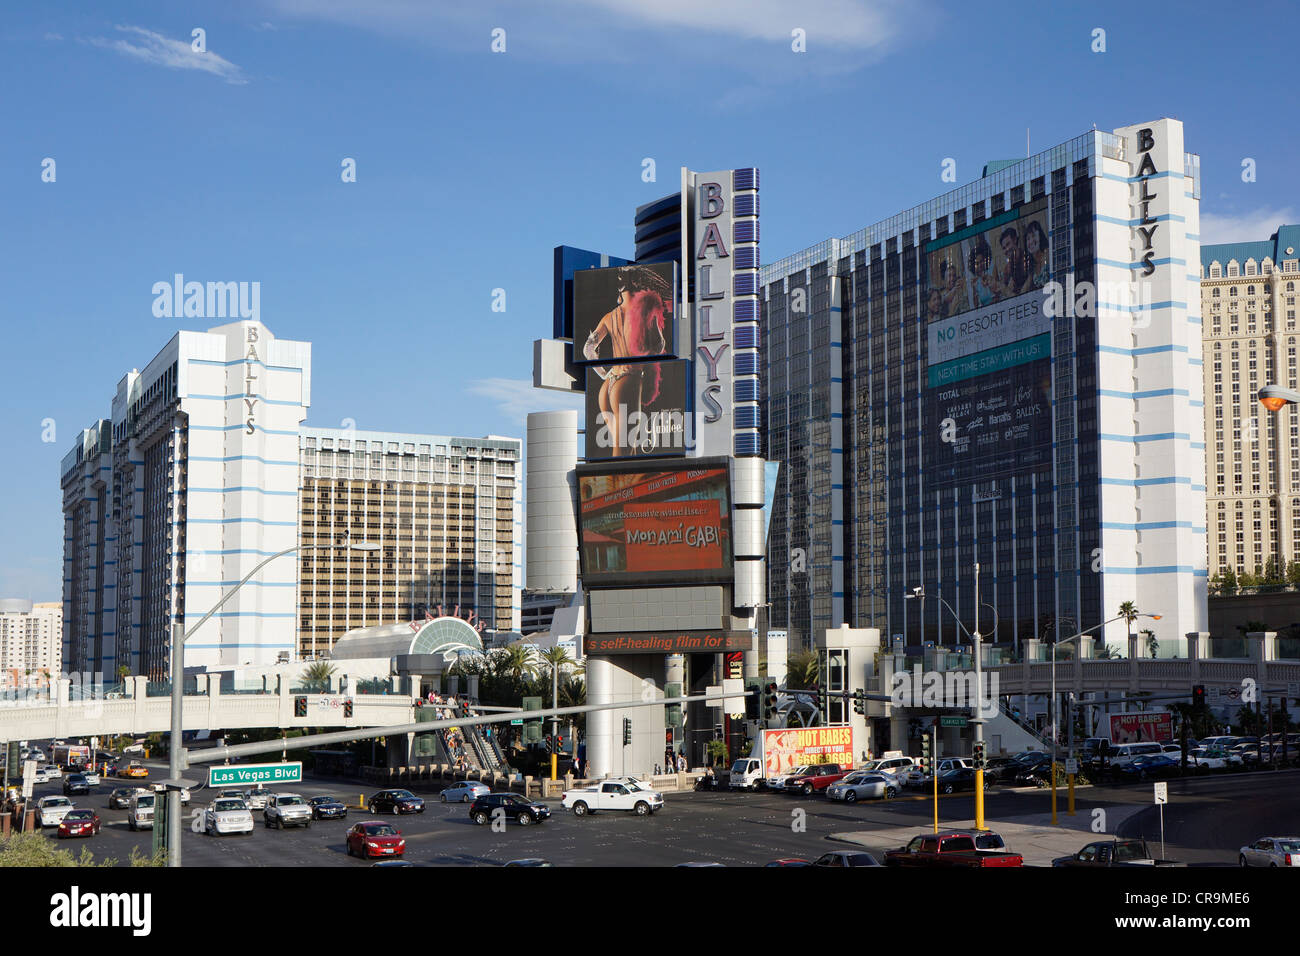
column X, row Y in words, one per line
column 784, row 750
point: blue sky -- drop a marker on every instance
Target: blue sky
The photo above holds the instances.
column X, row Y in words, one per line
column 472, row 164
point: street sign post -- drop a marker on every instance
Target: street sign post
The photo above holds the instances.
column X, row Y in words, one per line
column 1162, row 797
column 29, row 778
column 1071, row 765
column 251, row 774
column 953, row 721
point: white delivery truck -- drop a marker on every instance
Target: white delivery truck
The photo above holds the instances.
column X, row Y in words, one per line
column 779, row 753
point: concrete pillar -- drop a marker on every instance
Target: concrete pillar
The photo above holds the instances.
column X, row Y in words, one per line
column 1198, row 642
column 898, row 723
column 778, row 650
column 1087, row 647
column 472, row 689
column 1134, row 646
column 600, row 724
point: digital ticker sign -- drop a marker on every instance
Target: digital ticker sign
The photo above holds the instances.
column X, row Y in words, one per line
column 988, row 409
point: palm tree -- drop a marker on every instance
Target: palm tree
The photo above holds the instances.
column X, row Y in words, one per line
column 1129, row 612
column 555, row 657
column 316, row 676
column 515, row 660
column 803, row 671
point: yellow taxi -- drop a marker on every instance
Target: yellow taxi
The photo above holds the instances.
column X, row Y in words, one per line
column 135, row 770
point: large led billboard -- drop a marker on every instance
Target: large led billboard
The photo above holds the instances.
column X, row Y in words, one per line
column 624, row 314
column 638, row 412
column 989, row 349
column 666, row 524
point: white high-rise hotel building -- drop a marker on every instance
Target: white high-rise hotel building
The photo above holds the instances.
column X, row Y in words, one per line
column 195, row 479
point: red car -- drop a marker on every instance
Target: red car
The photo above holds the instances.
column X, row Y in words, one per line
column 79, row 823
column 820, row 777
column 375, row 838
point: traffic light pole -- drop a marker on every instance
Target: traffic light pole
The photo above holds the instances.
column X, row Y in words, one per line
column 978, row 719
column 934, row 773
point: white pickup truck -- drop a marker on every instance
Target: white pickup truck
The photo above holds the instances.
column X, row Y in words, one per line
column 611, row 796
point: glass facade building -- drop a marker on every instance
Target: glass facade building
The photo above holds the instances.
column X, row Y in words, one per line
column 907, row 456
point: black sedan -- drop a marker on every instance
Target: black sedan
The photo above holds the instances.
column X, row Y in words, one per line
column 395, row 801
column 328, row 808
column 76, row 783
column 511, row 806
column 120, row 798
column 963, row 778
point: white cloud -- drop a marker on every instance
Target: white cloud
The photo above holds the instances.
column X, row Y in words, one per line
column 516, row 397
column 835, row 23
column 1251, row 226
column 150, row 47
column 54, row 36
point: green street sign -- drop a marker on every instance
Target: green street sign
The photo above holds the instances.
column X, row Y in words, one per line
column 251, row 774
column 516, row 722
column 953, row 721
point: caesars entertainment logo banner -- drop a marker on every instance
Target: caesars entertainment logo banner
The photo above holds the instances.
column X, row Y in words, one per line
column 668, row 525
column 784, row 750
column 638, row 410
column 988, row 402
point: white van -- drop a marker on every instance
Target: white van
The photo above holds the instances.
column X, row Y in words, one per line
column 746, row 774
column 139, row 812
column 1121, row 754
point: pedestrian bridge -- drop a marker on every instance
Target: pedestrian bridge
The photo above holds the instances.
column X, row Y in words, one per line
column 59, row 712
column 1224, row 678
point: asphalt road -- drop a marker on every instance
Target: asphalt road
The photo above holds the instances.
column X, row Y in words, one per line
column 1206, row 821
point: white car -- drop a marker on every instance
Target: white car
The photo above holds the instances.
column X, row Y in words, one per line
column 139, row 811
column 50, row 811
column 227, row 815
column 1271, row 851
column 779, row 781
column 91, row 778
column 1204, row 759
column 611, row 796
column 287, row 810
column 40, row 775
column 257, row 798
column 53, row 772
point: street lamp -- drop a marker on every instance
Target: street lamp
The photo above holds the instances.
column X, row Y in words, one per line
column 176, row 756
column 1056, row 717
column 978, row 720
column 1273, row 397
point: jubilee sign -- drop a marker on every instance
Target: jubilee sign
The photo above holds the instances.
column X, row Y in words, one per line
column 250, row 774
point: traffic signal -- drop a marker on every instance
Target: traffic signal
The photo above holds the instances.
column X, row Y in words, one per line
column 627, row 731
column 1198, row 695
column 347, row 707
column 300, row 706
column 860, row 704
column 769, row 702
column 753, row 704
column 979, row 755
column 925, row 752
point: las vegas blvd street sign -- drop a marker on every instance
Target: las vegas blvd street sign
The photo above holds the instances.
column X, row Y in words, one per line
column 246, row 774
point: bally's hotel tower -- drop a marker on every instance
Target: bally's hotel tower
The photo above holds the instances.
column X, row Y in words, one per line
column 1008, row 374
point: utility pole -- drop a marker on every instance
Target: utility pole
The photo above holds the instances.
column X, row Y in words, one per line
column 979, row 715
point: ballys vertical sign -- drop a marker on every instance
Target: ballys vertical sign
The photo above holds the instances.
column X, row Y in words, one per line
column 1146, row 225
column 713, row 318
column 251, row 359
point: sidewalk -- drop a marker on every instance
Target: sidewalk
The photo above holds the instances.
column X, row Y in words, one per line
column 1031, row 835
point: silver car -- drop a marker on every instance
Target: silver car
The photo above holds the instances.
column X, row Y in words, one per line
column 1271, row 851
column 467, row 791
column 863, row 784
column 287, row 810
